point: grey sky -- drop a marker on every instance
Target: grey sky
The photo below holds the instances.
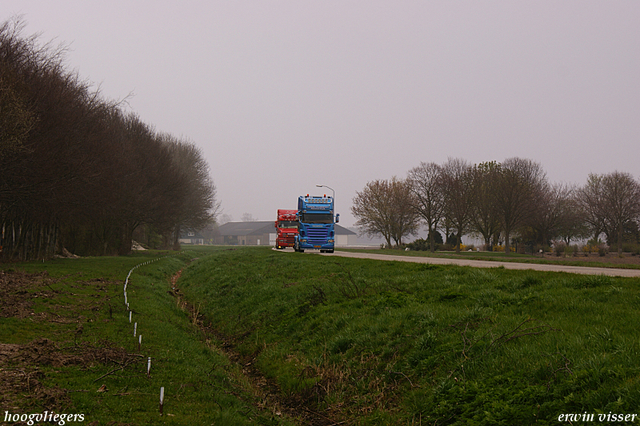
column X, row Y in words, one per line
column 281, row 95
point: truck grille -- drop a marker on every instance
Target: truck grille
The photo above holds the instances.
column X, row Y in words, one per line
column 317, row 235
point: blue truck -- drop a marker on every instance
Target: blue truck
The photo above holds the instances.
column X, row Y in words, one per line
column 316, row 224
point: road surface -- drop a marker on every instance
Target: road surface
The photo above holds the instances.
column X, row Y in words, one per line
column 585, row 270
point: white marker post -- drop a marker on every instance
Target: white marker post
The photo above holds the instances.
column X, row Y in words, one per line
column 149, row 367
column 135, row 329
column 161, row 399
column 139, row 342
column 129, row 317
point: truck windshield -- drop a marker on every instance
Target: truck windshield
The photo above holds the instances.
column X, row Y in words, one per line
column 288, row 224
column 316, row 218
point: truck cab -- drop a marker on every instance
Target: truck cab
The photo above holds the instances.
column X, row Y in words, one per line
column 316, row 224
column 287, row 228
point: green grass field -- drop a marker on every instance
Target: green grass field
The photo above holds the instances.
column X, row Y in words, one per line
column 256, row 336
column 74, row 340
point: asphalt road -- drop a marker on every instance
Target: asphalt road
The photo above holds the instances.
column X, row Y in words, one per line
column 585, row 270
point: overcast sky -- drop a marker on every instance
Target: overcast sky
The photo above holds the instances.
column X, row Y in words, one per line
column 284, row 95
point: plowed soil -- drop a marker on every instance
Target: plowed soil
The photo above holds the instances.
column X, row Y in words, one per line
column 22, row 366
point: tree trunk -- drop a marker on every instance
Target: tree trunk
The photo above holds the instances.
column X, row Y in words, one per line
column 432, row 240
column 127, row 238
column 620, row 233
column 507, row 246
column 176, row 239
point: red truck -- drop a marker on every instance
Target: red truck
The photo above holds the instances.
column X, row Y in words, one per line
column 287, row 226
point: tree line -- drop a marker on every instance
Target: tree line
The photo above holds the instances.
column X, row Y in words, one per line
column 78, row 172
column 500, row 202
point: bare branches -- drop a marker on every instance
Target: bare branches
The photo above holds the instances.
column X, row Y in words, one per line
column 609, row 202
column 425, row 181
column 385, row 207
column 457, row 184
column 78, row 172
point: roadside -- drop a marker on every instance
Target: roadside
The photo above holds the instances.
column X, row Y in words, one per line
column 584, row 270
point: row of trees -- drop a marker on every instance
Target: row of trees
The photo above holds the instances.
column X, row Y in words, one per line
column 80, row 173
column 499, row 202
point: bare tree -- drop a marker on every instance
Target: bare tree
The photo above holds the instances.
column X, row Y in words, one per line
column 457, row 186
column 75, row 170
column 573, row 224
column 622, row 197
column 484, row 217
column 555, row 213
column 406, row 221
column 225, row 218
column 248, row 217
column 425, row 183
column 384, row 207
column 197, row 194
column 591, row 201
column 518, row 194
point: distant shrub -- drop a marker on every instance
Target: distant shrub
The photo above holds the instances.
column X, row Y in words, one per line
column 596, row 246
column 603, row 250
column 568, row 250
column 632, row 248
column 559, row 248
column 419, row 245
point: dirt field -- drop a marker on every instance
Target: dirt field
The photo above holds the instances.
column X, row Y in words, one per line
column 22, row 365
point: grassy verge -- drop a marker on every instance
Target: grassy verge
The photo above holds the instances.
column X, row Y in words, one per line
column 67, row 346
column 369, row 343
column 501, row 257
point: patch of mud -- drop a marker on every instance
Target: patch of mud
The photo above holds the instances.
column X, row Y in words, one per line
column 18, row 291
column 21, row 370
column 22, row 389
column 22, row 366
column 43, row 352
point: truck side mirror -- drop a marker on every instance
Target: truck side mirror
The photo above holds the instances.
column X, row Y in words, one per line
column 338, row 218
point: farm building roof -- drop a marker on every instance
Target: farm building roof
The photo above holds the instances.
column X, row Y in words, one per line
column 263, row 227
